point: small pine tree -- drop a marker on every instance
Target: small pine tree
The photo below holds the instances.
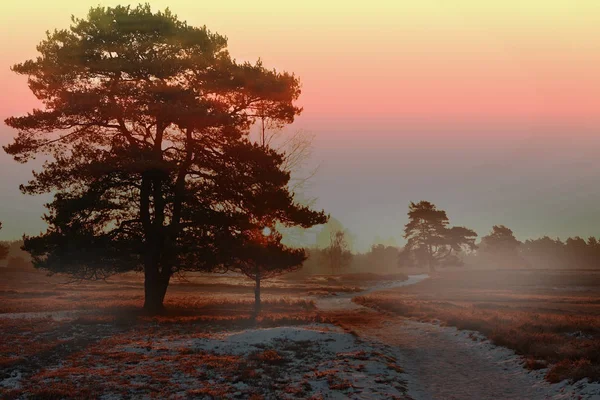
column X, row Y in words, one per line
column 261, row 256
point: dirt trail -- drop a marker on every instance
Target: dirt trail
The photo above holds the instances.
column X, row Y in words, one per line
column 343, row 301
column 444, row 363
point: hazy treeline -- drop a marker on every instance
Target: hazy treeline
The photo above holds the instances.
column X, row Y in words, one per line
column 379, row 259
column 541, row 253
column 574, row 253
column 500, row 249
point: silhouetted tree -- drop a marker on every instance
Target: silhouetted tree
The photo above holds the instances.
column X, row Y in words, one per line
column 574, row 253
column 3, row 248
column 337, row 255
column 260, row 253
column 382, row 257
column 544, row 252
column 145, row 120
column 429, row 239
column 262, row 256
column 577, row 252
column 593, row 252
column 500, row 240
column 323, row 237
column 501, row 248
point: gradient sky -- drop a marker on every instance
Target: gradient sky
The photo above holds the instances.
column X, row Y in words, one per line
column 490, row 109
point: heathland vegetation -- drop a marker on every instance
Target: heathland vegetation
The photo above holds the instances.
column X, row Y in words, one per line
column 158, row 183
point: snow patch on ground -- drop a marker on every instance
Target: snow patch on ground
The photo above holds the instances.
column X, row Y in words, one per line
column 319, row 359
column 12, row 382
column 55, row 315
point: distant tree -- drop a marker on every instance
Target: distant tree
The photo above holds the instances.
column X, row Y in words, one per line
column 579, row 253
column 3, row 248
column 337, row 255
column 501, row 248
column 500, row 240
column 323, row 238
column 575, row 252
column 145, row 122
column 593, row 253
column 544, row 252
column 429, row 239
column 382, row 257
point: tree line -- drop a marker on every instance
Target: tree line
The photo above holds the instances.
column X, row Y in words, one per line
column 501, row 249
column 432, row 243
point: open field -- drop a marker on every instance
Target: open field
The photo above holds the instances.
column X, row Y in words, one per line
column 551, row 318
column 312, row 340
column 287, row 354
column 30, row 290
column 87, row 340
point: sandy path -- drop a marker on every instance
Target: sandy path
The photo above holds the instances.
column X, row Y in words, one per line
column 444, row 363
column 343, row 301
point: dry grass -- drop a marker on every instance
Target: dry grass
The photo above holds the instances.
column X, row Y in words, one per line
column 548, row 318
column 30, row 290
column 82, row 356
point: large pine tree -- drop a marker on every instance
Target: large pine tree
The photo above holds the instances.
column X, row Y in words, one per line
column 145, row 122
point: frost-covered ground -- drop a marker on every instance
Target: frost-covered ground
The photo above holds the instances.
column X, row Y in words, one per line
column 312, row 361
column 445, row 363
column 68, row 355
column 55, row 315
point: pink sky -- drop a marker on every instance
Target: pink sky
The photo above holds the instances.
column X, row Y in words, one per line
column 381, row 79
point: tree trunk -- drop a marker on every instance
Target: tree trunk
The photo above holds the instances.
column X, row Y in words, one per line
column 155, row 289
column 257, row 305
column 430, row 259
column 431, row 265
